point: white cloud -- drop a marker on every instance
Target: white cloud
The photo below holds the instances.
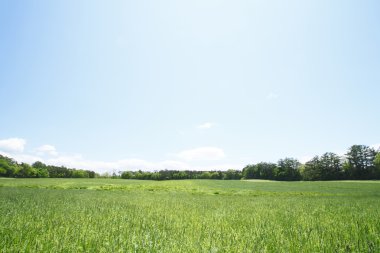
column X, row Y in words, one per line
column 206, row 125
column 12, row 145
column 79, row 162
column 20, row 157
column 120, row 165
column 133, row 164
column 202, row 154
column 47, row 150
column 174, row 165
column 14, row 148
column 219, row 167
column 272, row 96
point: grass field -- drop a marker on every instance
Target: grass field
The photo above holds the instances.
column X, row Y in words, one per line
column 112, row 215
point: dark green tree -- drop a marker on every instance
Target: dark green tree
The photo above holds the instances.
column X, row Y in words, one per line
column 266, row 170
column 377, row 166
column 26, row 171
column 331, row 166
column 127, row 175
column 8, row 167
column 360, row 162
column 232, row 174
column 288, row 169
column 326, row 167
column 312, row 169
column 205, row 175
column 249, row 171
column 39, row 165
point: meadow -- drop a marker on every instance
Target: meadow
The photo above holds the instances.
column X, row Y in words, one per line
column 116, row 215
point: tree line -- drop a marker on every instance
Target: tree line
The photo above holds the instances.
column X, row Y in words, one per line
column 176, row 175
column 359, row 163
column 10, row 168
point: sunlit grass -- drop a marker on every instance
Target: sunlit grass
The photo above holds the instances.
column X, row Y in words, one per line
column 105, row 215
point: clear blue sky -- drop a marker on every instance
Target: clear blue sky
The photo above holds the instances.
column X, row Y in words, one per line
column 188, row 84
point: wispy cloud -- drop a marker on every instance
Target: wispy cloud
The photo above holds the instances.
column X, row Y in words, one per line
column 202, row 154
column 47, row 150
column 206, row 125
column 22, row 157
column 12, row 145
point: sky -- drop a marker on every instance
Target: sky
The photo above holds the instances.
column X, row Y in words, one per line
column 201, row 84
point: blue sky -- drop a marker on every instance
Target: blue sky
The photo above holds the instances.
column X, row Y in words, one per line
column 202, row 84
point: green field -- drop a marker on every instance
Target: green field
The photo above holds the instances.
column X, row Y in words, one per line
column 115, row 215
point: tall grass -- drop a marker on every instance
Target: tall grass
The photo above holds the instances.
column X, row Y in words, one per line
column 84, row 215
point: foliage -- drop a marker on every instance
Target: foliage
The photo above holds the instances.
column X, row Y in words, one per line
column 288, row 169
column 260, row 171
column 10, row 168
column 178, row 175
column 326, row 167
column 376, row 163
column 360, row 162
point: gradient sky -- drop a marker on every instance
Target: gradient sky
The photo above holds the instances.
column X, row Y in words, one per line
column 200, row 84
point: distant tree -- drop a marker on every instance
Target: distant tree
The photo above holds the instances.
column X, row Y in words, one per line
column 249, row 171
column 312, row 169
column 288, row 169
column 205, row 175
column 360, row 162
column 126, row 175
column 377, row 166
column 331, row 166
column 8, row 167
column 56, row 172
column 216, row 175
column 266, row 170
column 41, row 169
column 139, row 175
column 42, row 172
column 39, row 165
column 326, row 167
column 301, row 169
column 346, row 167
column 180, row 175
column 3, row 170
column 232, row 174
column 154, row 176
column 26, row 171
column 90, row 173
column 165, row 175
column 79, row 174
